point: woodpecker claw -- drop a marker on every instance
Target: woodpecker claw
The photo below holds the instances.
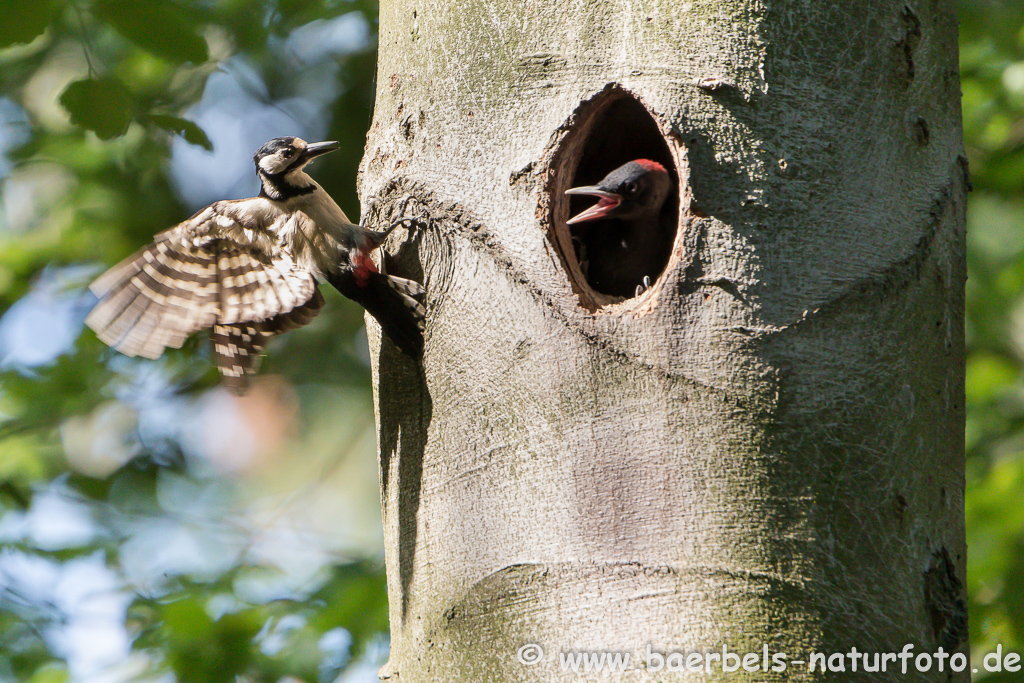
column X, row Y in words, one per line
column 409, row 221
column 640, row 289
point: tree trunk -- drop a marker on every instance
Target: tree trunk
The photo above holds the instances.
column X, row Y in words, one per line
column 764, row 450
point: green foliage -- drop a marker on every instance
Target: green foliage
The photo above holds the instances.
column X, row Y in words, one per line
column 992, row 80
column 187, row 129
column 102, row 105
column 25, row 21
column 166, row 29
column 215, row 569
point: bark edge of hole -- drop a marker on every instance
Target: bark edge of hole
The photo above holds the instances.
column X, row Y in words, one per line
column 611, row 128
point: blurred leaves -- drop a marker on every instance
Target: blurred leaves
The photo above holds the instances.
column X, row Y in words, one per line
column 166, row 29
column 192, row 133
column 207, row 651
column 25, row 21
column 269, row 641
column 215, row 539
column 102, row 105
column 992, row 82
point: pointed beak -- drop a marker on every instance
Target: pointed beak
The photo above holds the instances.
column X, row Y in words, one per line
column 317, row 148
column 607, row 202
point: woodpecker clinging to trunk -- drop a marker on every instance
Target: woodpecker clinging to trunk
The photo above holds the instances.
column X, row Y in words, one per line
column 248, row 269
column 631, row 246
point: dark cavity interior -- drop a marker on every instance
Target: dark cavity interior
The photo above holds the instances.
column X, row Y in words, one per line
column 613, row 256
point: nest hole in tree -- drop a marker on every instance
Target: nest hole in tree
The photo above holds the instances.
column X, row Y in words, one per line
column 614, row 258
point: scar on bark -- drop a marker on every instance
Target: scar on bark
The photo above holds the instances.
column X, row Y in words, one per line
column 907, row 45
column 943, row 598
column 610, row 129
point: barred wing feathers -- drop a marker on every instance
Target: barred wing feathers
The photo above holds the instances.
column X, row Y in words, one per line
column 236, row 347
column 224, row 267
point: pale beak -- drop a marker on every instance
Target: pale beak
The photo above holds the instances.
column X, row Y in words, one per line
column 317, row 148
column 607, row 202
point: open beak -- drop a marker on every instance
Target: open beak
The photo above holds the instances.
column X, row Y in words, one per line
column 607, row 202
column 317, row 148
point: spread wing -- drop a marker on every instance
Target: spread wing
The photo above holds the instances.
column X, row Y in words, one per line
column 224, row 266
column 236, row 347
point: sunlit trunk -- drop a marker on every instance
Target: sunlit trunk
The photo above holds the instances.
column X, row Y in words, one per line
column 764, row 450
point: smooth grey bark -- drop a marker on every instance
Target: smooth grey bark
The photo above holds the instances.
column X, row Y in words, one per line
column 766, row 449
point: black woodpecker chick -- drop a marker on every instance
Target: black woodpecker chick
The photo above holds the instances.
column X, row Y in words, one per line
column 633, row 239
column 248, row 269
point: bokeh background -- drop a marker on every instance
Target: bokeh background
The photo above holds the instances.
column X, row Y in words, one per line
column 155, row 528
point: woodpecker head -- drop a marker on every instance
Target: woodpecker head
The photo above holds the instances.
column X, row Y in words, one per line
column 279, row 164
column 634, row 191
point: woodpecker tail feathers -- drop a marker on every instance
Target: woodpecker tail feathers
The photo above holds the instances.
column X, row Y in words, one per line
column 392, row 301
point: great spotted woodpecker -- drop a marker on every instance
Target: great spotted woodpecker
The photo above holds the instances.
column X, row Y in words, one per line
column 248, row 269
column 633, row 242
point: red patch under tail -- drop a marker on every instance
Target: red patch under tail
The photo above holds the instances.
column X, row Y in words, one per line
column 363, row 268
